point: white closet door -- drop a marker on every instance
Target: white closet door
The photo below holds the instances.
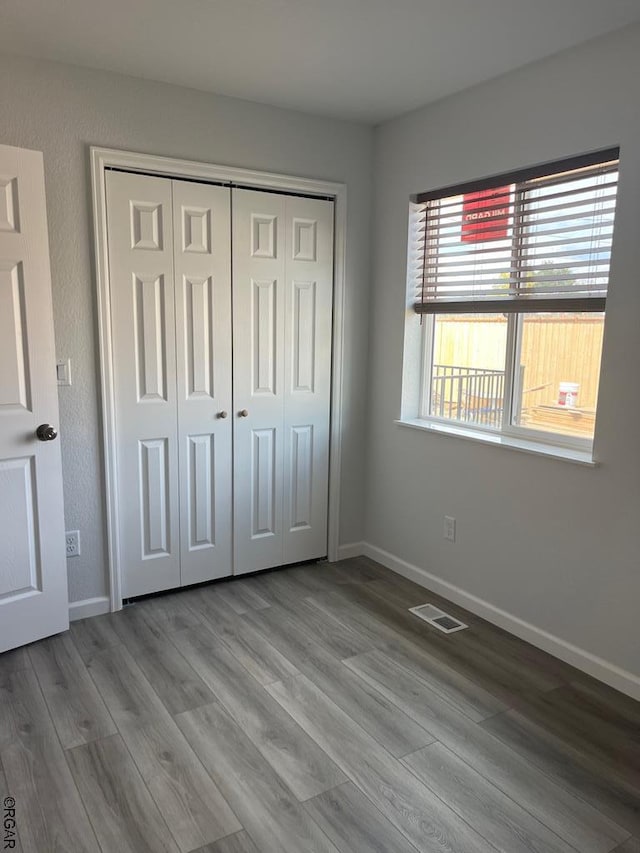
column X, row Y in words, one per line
column 282, row 297
column 258, row 378
column 143, row 336
column 187, row 453
column 202, row 251
column 307, row 376
column 33, row 571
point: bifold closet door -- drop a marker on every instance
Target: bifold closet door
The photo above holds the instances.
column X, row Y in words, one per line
column 282, row 305
column 202, row 252
column 143, row 339
column 169, row 270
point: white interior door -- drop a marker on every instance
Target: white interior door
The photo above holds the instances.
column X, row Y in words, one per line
column 307, row 376
column 202, row 252
column 33, row 573
column 282, row 299
column 139, row 212
column 258, row 378
column 170, row 274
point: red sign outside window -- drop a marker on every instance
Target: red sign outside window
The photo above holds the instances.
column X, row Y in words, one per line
column 485, row 215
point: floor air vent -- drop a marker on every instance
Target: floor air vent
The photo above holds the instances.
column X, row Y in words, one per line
column 438, row 618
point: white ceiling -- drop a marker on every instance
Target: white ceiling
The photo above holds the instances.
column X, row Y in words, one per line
column 361, row 59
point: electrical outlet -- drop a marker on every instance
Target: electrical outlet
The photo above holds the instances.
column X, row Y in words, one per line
column 450, row 528
column 72, row 543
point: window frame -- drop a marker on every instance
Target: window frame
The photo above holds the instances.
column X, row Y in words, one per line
column 508, row 429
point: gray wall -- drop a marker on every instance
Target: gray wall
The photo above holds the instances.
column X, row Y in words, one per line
column 547, row 541
column 61, row 110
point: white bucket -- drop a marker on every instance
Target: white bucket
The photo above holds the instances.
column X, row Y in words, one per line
column 568, row 394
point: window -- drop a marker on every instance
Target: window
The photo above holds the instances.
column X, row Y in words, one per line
column 510, row 284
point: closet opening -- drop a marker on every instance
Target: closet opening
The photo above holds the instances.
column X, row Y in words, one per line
column 221, row 330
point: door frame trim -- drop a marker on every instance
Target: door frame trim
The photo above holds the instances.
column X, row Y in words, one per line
column 101, row 160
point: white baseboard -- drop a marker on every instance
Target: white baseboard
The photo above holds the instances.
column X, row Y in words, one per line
column 351, row 549
column 609, row 673
column 88, row 607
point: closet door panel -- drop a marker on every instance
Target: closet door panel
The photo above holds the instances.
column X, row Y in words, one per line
column 143, row 339
column 202, row 260
column 307, row 382
column 258, row 377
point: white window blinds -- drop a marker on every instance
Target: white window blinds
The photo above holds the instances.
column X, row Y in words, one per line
column 534, row 240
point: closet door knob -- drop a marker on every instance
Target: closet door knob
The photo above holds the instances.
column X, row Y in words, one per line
column 222, row 414
column 243, row 413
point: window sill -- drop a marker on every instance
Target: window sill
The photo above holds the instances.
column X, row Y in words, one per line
column 538, row 448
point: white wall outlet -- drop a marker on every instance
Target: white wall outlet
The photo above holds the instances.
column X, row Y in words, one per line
column 450, row 528
column 72, row 543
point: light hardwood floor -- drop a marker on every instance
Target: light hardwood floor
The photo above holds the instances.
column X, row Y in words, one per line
column 305, row 709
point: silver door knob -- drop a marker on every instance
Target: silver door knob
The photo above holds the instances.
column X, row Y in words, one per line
column 222, row 414
column 46, row 432
column 243, row 413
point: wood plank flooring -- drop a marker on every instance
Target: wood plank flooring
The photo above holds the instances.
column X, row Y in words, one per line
column 305, row 710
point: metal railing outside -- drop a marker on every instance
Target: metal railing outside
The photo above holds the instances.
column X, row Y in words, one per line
column 471, row 395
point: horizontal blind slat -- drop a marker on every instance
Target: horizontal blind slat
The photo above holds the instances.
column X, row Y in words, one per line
column 454, row 239
column 455, row 201
column 482, row 275
column 589, row 304
column 535, row 244
column 468, row 291
column 527, row 221
column 538, row 204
